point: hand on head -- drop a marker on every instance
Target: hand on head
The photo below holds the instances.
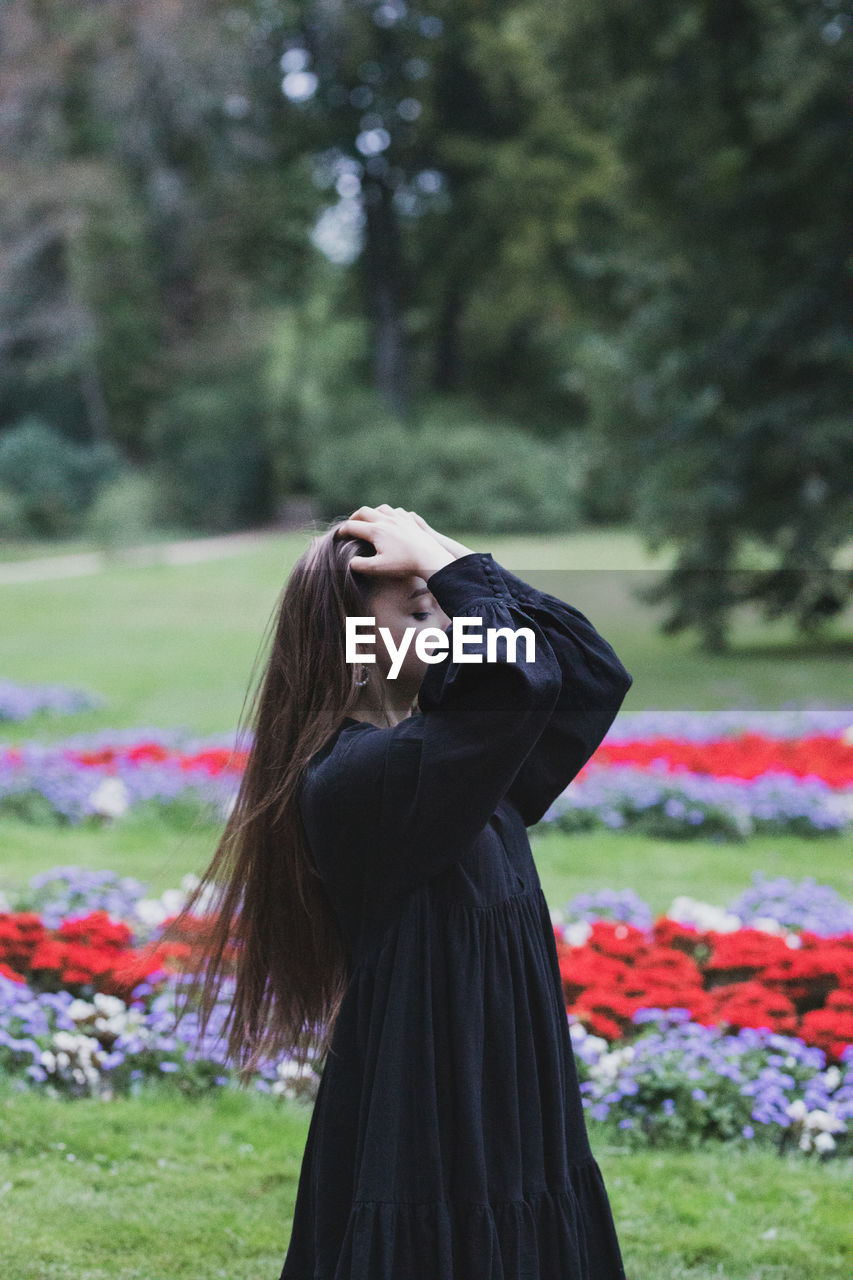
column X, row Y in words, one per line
column 403, row 541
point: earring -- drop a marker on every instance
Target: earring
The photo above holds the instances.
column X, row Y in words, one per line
column 362, row 682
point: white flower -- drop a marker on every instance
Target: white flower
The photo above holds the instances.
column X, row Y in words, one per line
column 293, row 1069
column 818, row 1119
column 108, row 1004
column 80, row 1044
column 703, row 915
column 117, row 1025
column 48, row 1060
column 824, row 1142
column 766, row 924
column 80, row 1010
column 576, row 934
column 65, row 1040
column 150, row 911
column 580, row 1035
column 110, row 798
column 796, row 1109
column 832, row 1076
column 610, row 1064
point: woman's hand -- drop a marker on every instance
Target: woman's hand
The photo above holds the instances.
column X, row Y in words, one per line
column 456, row 549
column 404, row 544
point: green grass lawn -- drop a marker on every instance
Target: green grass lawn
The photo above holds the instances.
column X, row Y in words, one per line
column 161, row 1187
column 658, row 870
column 173, row 645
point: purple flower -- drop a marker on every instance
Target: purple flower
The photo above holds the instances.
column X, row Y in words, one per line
column 20, row 701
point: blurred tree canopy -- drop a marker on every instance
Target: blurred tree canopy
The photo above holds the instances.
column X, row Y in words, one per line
column 729, row 250
column 239, row 240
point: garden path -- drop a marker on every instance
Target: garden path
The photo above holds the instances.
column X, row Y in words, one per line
column 184, row 551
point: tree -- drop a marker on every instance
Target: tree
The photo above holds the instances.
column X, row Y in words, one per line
column 442, row 123
column 721, row 376
column 147, row 209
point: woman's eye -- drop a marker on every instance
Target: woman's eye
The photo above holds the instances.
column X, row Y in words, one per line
column 420, row 616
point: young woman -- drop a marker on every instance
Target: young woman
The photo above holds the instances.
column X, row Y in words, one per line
column 384, row 904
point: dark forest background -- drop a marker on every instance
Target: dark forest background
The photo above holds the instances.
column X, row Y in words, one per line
column 522, row 266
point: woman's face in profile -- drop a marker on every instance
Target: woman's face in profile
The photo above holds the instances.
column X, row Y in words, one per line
column 400, row 603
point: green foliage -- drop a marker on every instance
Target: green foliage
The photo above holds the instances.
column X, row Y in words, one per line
column 720, row 374
column 626, row 220
column 482, row 476
column 146, row 210
column 50, row 479
column 110, row 271
column 13, row 521
column 317, row 362
column 212, row 466
column 31, row 806
column 126, row 511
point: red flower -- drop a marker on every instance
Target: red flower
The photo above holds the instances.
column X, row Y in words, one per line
column 749, row 1004
column 748, row 755
column 831, row 1028
column 747, row 978
column 683, row 937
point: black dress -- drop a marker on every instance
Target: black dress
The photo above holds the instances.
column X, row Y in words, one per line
column 447, row 1140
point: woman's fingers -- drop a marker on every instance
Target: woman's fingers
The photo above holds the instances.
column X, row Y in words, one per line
column 403, row 542
column 366, row 564
column 360, row 529
column 370, row 513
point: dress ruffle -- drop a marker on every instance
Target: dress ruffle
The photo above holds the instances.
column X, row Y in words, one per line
column 565, row 1234
column 464, row 1004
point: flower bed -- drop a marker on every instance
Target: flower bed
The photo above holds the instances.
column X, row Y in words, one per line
column 678, row 775
column 705, row 1023
column 101, row 776
column 798, row 985
column 20, row 701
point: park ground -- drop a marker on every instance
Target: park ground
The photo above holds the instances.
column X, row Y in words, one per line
column 162, row 1187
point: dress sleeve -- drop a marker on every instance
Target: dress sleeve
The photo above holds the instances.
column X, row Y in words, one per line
column 442, row 772
column 593, row 686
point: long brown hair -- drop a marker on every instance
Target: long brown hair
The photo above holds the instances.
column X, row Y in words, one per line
column 271, row 923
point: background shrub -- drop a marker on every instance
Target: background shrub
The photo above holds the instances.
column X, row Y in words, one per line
column 126, row 511
column 212, row 464
column 48, row 481
column 480, row 476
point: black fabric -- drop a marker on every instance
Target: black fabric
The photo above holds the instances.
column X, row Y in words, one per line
column 447, row 1140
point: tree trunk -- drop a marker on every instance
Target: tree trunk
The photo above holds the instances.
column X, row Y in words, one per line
column 446, row 367
column 383, row 278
